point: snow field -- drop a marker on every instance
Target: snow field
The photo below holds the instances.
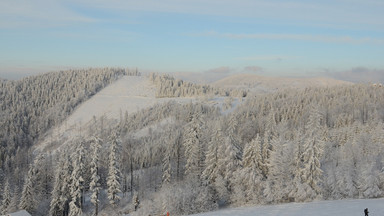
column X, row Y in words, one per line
column 317, row 208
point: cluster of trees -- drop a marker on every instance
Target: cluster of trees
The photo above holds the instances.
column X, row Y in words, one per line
column 31, row 106
column 168, row 86
column 296, row 145
column 291, row 146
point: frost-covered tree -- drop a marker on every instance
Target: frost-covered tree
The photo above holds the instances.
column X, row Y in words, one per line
column 66, row 196
column 95, row 186
column 370, row 183
column 61, row 193
column 193, row 147
column 27, row 200
column 113, row 179
column 57, row 205
column 7, row 198
column 74, row 209
column 211, row 170
column 233, row 135
column 228, row 163
column 311, row 173
column 14, row 205
column 166, row 167
column 77, row 180
column 266, row 152
column 251, row 171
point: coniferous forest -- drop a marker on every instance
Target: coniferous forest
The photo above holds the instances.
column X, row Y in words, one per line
column 184, row 158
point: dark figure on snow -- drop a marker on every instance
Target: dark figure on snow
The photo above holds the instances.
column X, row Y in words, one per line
column 366, row 212
column 137, row 202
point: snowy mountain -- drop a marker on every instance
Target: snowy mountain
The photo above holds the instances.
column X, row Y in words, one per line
column 142, row 145
column 129, row 94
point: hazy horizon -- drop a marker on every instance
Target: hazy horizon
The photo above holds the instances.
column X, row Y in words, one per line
column 338, row 39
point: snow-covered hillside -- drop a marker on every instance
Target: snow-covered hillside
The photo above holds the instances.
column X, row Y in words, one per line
column 285, row 146
column 320, row 208
column 128, row 94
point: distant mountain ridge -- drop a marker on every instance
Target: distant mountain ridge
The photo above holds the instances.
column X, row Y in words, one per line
column 257, row 83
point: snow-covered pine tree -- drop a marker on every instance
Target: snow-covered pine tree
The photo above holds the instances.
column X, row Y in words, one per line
column 67, row 182
column 38, row 177
column 193, row 149
column 113, row 179
column 370, row 182
column 77, row 181
column 7, row 198
column 251, row 171
column 74, row 209
column 265, row 153
column 298, row 163
column 13, row 206
column 94, row 186
column 166, row 178
column 57, row 202
column 233, row 135
column 229, row 162
column 272, row 187
column 211, row 170
column 311, row 173
column 27, row 201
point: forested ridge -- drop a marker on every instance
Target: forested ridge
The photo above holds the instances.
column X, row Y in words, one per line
column 287, row 146
column 31, row 106
column 168, row 86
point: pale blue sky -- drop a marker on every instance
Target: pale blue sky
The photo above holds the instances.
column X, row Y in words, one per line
column 337, row 38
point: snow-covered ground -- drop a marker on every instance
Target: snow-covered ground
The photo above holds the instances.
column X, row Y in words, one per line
column 318, row 208
column 133, row 93
column 130, row 93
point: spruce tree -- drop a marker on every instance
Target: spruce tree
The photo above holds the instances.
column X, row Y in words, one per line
column 211, row 170
column 113, row 179
column 193, row 149
column 311, row 173
column 7, row 198
column 95, row 178
column 77, row 181
column 27, row 201
column 166, row 178
column 251, row 171
column 59, row 199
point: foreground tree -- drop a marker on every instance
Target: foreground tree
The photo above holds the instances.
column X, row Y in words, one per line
column 77, row 181
column 95, row 178
column 113, row 179
column 193, row 148
column 27, row 201
column 311, row 173
column 7, row 198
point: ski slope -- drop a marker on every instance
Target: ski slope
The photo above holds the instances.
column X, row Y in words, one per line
column 128, row 94
column 318, row 208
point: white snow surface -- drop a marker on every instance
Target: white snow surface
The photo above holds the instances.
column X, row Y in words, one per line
column 129, row 93
column 19, row 213
column 318, row 208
